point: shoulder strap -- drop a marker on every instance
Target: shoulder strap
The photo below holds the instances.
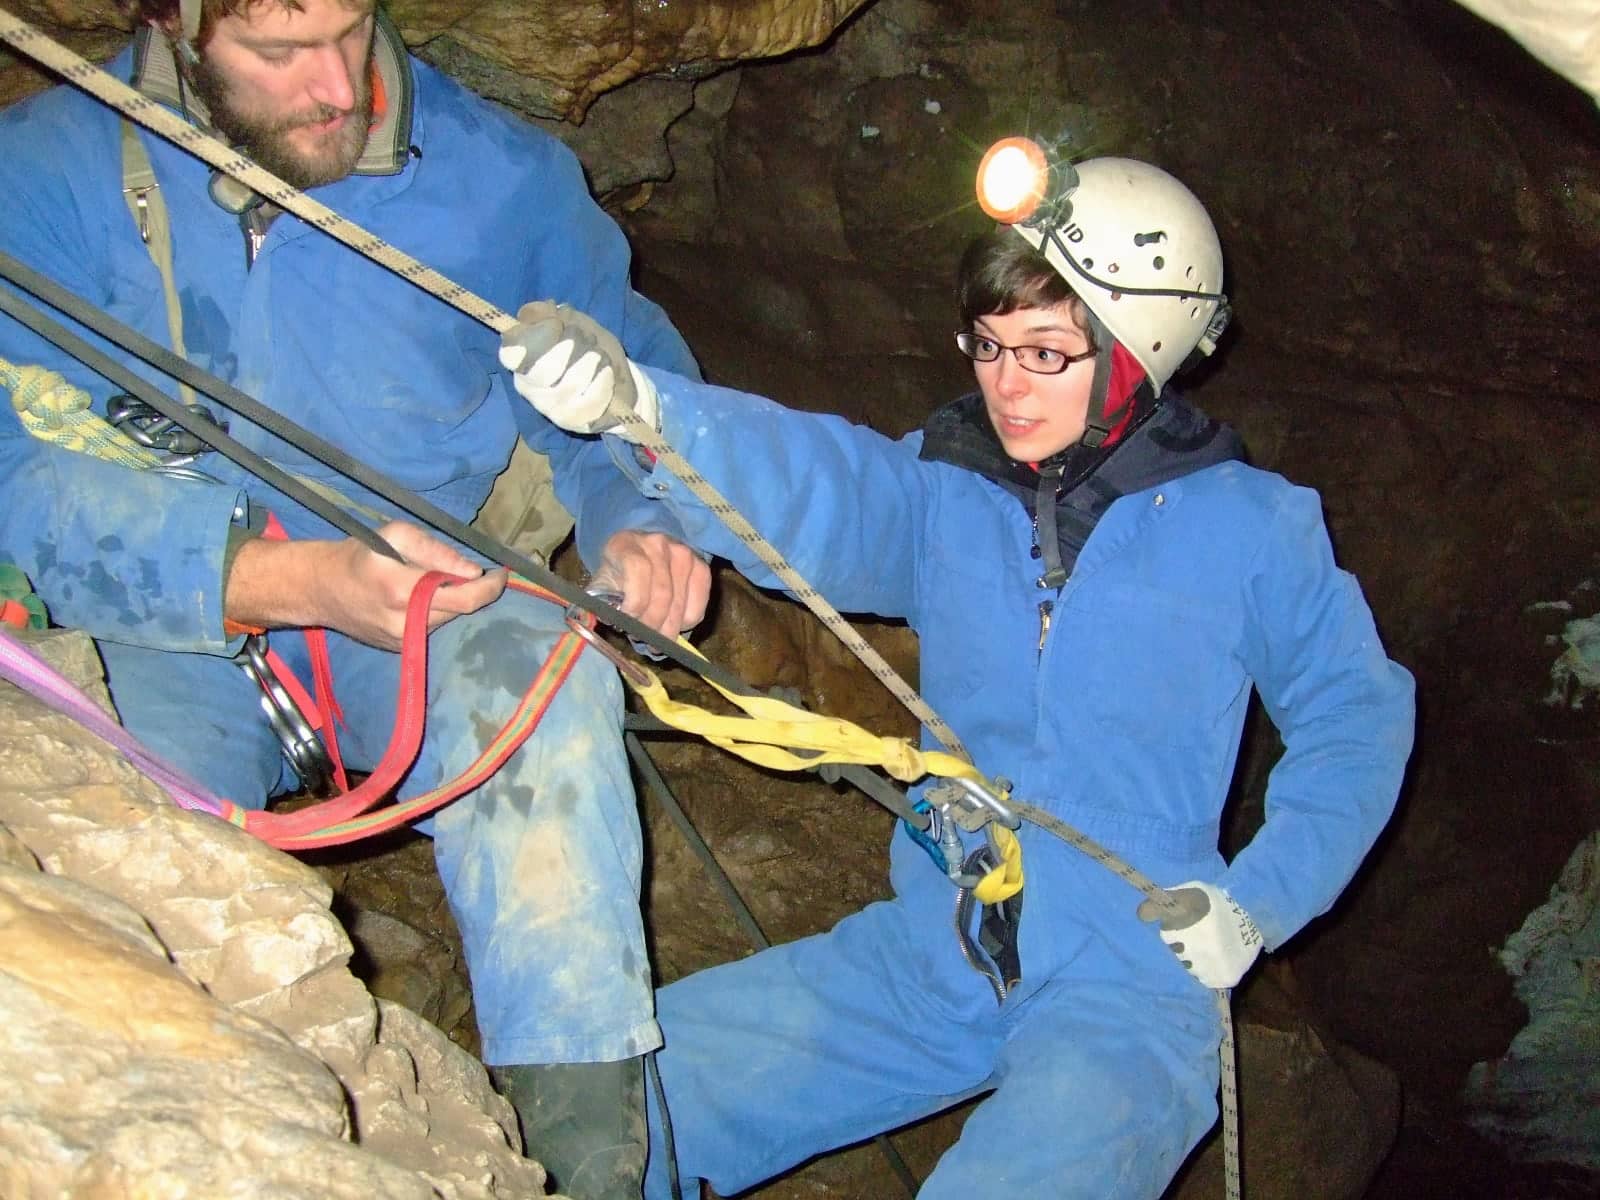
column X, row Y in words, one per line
column 142, row 193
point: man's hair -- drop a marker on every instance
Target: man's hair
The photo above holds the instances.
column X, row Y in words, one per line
column 164, row 13
column 1001, row 273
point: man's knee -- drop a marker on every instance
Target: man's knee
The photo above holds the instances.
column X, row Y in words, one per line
column 501, row 650
column 201, row 714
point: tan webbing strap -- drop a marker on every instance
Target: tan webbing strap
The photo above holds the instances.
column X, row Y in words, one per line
column 142, row 191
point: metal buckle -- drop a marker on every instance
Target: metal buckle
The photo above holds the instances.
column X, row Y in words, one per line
column 301, row 746
column 150, row 429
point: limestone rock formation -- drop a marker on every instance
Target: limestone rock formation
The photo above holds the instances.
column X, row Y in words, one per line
column 177, row 1009
column 1543, row 1095
column 556, row 56
column 551, row 58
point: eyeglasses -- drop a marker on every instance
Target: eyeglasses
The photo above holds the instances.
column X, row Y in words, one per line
column 1041, row 360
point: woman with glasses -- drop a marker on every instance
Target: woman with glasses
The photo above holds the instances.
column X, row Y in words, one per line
column 1098, row 582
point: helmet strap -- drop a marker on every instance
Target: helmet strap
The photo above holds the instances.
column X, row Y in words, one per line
column 1097, row 427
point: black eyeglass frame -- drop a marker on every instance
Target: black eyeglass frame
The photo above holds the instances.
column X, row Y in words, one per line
column 967, row 339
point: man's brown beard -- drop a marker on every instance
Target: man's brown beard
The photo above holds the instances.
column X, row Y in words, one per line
column 266, row 140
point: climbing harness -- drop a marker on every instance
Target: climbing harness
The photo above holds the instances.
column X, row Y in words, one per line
column 129, row 102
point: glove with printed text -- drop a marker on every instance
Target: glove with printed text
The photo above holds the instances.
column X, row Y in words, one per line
column 1213, row 937
column 570, row 367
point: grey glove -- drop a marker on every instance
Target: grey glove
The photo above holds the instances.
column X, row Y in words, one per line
column 1214, row 938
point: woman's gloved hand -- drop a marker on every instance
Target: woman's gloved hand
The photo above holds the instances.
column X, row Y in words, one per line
column 1211, row 934
column 570, row 367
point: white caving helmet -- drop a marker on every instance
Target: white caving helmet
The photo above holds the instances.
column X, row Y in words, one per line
column 1131, row 241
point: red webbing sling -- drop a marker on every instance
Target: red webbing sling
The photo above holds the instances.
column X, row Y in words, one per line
column 346, row 817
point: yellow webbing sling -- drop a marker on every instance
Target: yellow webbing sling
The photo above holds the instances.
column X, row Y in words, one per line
column 772, row 730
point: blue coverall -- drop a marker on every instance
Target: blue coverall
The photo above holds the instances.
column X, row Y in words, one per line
column 1123, row 718
column 542, row 864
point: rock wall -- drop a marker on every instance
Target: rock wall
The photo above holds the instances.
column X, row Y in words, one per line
column 1406, row 201
column 177, row 1013
column 549, row 58
column 553, row 57
column 1543, row 1094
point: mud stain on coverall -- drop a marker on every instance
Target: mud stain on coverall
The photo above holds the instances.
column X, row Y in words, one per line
column 112, row 592
column 491, row 658
column 542, row 882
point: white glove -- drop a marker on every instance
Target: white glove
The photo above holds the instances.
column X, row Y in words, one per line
column 1211, row 934
column 570, row 368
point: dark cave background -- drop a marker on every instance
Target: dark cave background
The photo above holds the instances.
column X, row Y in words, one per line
column 1410, row 209
column 1409, row 204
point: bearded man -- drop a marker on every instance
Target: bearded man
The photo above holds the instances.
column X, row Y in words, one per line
column 166, row 569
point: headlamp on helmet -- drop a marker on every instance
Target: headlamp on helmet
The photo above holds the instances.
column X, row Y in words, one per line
column 1019, row 184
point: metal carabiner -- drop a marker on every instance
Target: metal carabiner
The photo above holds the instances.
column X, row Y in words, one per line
column 581, row 621
column 979, row 806
column 941, row 841
column 146, row 426
column 301, row 746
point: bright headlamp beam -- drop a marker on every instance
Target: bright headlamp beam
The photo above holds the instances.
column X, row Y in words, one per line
column 1013, row 179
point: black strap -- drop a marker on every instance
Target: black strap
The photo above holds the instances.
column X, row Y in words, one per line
column 324, row 452
column 997, row 934
column 1097, row 425
column 1045, row 534
column 997, row 926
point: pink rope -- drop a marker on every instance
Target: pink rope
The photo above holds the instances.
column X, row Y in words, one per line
column 42, row 681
